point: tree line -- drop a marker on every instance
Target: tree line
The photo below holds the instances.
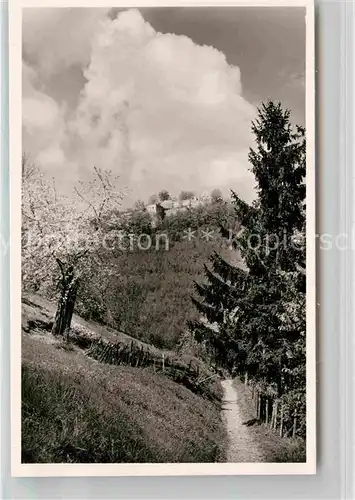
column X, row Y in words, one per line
column 164, row 195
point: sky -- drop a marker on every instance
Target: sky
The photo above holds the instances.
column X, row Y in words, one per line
column 162, row 97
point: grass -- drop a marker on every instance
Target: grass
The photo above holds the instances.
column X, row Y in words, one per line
column 96, row 340
column 75, row 409
column 150, row 296
column 63, row 422
column 38, row 312
column 277, row 449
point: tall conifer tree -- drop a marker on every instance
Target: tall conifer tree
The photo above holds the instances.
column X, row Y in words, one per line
column 252, row 319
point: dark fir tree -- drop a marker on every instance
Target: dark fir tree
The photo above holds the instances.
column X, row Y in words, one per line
column 253, row 315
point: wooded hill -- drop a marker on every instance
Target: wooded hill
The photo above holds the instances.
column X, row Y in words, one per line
column 147, row 292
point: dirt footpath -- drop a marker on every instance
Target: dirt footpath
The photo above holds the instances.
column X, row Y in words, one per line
column 242, row 446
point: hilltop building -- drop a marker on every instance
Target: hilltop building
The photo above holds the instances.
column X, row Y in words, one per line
column 172, row 207
column 160, row 210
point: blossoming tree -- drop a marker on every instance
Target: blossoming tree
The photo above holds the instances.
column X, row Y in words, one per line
column 62, row 234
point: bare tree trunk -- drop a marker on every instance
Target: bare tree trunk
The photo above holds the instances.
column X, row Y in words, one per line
column 275, row 417
column 294, row 433
column 65, row 308
column 282, row 421
column 272, row 415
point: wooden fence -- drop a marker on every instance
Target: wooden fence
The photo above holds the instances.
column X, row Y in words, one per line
column 189, row 374
column 277, row 415
column 137, row 356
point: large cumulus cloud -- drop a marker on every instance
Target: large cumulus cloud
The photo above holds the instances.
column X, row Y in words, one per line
column 55, row 39
column 157, row 109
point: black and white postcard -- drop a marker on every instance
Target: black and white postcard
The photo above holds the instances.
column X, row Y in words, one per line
column 162, row 238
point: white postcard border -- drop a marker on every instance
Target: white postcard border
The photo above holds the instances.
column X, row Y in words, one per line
column 15, row 133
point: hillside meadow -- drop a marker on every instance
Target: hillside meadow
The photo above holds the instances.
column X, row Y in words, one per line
column 78, row 410
column 148, row 293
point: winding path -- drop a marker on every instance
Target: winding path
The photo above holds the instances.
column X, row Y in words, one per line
column 241, row 444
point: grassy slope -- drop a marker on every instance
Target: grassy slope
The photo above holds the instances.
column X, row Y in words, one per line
column 38, row 313
column 150, row 295
column 276, row 448
column 78, row 410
